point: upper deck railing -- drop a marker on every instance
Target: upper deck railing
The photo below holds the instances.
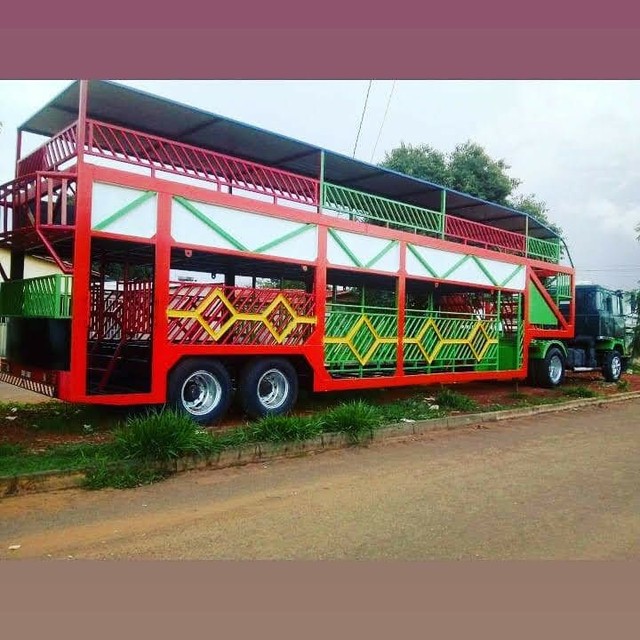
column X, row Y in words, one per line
column 243, row 177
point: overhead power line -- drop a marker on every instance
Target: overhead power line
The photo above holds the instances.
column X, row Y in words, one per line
column 384, row 117
column 364, row 109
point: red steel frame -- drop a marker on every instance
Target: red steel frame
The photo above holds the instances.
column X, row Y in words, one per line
column 71, row 385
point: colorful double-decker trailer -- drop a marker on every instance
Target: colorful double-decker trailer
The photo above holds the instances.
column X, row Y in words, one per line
column 311, row 268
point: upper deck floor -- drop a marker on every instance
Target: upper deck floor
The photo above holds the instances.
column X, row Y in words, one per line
column 117, row 126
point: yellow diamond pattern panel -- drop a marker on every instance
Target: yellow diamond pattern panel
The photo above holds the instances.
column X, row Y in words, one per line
column 217, row 295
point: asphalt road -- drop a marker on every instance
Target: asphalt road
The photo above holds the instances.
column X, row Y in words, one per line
column 556, row 486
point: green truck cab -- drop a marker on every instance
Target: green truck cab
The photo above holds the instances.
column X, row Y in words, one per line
column 600, row 342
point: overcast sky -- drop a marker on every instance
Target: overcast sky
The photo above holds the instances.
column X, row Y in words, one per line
column 575, row 145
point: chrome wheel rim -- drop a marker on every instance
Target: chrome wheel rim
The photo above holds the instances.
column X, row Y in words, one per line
column 616, row 366
column 555, row 369
column 200, row 393
column 273, row 389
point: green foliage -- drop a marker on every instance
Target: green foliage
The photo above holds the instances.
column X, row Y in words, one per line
column 414, row 408
column 473, row 171
column 16, row 460
column 160, row 436
column 286, row 428
column 454, row 401
column 623, row 385
column 579, row 391
column 422, row 161
column 103, row 473
column 357, row 419
column 469, row 169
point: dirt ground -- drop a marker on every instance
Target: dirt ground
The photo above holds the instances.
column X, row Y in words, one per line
column 556, row 486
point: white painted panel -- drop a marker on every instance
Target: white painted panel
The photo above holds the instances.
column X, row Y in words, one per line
column 518, row 281
column 499, row 270
column 107, row 199
column 390, row 261
column 187, row 229
column 440, row 261
column 300, row 247
column 470, row 272
column 365, row 248
column 251, row 230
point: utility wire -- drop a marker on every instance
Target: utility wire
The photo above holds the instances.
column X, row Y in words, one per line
column 364, row 109
column 384, row 117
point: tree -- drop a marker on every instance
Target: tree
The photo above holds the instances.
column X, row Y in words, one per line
column 422, row 161
column 469, row 169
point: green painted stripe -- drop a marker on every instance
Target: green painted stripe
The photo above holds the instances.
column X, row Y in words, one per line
column 484, row 270
column 456, row 266
column 292, row 234
column 124, row 211
column 421, row 260
column 382, row 253
column 334, row 234
column 210, row 223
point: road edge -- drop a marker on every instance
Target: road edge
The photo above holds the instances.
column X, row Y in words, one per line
column 46, row 481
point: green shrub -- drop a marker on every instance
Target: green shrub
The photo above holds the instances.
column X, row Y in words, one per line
column 286, row 428
column 579, row 392
column 160, row 436
column 454, row 401
column 356, row 419
column 623, row 385
column 8, row 450
column 104, row 473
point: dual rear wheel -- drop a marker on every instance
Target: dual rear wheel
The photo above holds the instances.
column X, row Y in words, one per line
column 203, row 388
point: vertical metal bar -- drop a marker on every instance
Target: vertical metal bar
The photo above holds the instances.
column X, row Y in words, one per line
column 49, row 200
column 18, row 150
column 443, row 211
column 321, row 183
column 82, row 120
column 526, row 235
column 499, row 327
column 57, row 300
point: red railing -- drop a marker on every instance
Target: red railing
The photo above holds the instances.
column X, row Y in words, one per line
column 482, row 235
column 52, row 154
column 124, row 313
column 159, row 154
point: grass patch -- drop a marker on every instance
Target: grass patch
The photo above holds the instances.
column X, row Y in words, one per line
column 104, row 472
column 623, row 385
column 16, row 461
column 160, row 436
column 356, row 419
column 286, row 428
column 579, row 391
column 451, row 400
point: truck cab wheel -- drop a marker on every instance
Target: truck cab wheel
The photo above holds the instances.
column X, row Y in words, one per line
column 550, row 371
column 268, row 386
column 612, row 366
column 201, row 388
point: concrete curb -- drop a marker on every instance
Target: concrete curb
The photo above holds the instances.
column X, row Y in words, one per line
column 57, row 480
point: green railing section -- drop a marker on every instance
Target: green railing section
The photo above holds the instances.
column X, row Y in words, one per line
column 559, row 287
column 444, row 341
column 43, row 297
column 360, row 340
column 364, row 207
column 548, row 250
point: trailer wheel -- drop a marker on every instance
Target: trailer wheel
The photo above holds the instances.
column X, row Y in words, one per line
column 268, row 387
column 612, row 366
column 201, row 388
column 550, row 371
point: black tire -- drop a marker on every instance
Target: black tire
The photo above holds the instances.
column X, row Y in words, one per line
column 550, row 371
column 612, row 366
column 200, row 376
column 268, row 387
